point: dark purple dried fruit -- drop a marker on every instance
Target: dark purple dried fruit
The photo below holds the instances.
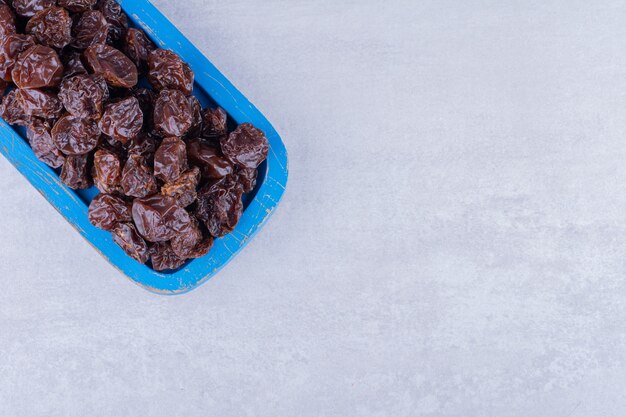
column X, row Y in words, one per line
column 12, row 112
column 126, row 237
column 40, row 140
column 184, row 188
column 37, row 103
column 7, row 20
column 196, row 118
column 170, row 159
column 84, row 95
column 77, row 6
column 138, row 47
column 172, row 113
column 91, row 29
column 214, row 123
column 107, row 211
column 29, row 8
column 163, row 257
column 75, row 172
column 209, row 159
column 75, row 136
column 51, row 27
column 107, row 171
column 247, row 146
column 72, row 61
column 159, row 218
column 143, row 145
column 247, row 178
column 37, row 67
column 11, row 46
column 113, row 65
column 137, row 177
column 116, row 17
column 168, row 72
column 122, row 120
column 219, row 206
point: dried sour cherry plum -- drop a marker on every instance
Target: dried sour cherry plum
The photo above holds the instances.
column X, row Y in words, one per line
column 37, row 67
column 196, row 118
column 75, row 172
column 39, row 103
column 40, row 140
column 72, row 63
column 12, row 112
column 75, row 136
column 116, row 68
column 7, row 20
column 172, row 113
column 84, row 95
column 219, row 206
column 117, row 19
column 142, row 145
column 159, row 218
column 137, row 177
column 51, row 27
column 106, row 211
column 107, row 171
column 163, row 257
column 183, row 189
column 246, row 146
column 168, row 72
column 214, row 123
column 29, row 8
column 77, row 6
column 10, row 47
column 209, row 159
column 126, row 237
column 122, row 120
column 137, row 47
column 247, row 178
column 91, row 29
column 170, row 159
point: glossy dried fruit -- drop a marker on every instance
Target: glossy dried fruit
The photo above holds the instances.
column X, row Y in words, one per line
column 84, row 95
column 163, row 257
column 37, row 67
column 113, row 65
column 219, row 206
column 143, row 145
column 172, row 113
column 7, row 21
column 168, row 71
column 75, row 136
column 72, row 61
column 12, row 112
column 126, row 237
column 137, row 177
column 214, row 123
column 170, row 159
column 51, row 27
column 117, row 19
column 247, row 146
column 209, row 159
column 37, row 103
column 75, row 172
column 196, row 118
column 184, row 188
column 184, row 243
column 146, row 100
column 91, row 29
column 40, row 140
column 11, row 46
column 107, row 171
column 138, row 47
column 247, row 178
column 159, row 218
column 122, row 120
column 29, row 8
column 77, row 6
column 107, row 211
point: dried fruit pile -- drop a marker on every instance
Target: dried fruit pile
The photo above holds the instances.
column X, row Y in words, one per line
column 171, row 175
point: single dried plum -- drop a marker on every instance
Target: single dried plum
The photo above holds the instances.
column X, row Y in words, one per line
column 84, row 95
column 11, row 46
column 107, row 211
column 190, row 243
column 137, row 47
column 196, row 118
column 75, row 136
column 29, row 8
column 246, row 146
column 143, row 145
column 137, row 177
column 51, row 27
column 40, row 140
column 163, row 257
column 116, row 18
column 107, row 171
column 184, row 188
column 75, row 172
column 77, row 6
column 7, row 20
column 214, row 123
column 39, row 103
column 12, row 111
column 172, row 113
column 122, row 120
column 126, row 237
column 159, row 218
column 113, row 65
column 91, row 29
column 72, row 61
column 37, row 67
column 168, row 71
column 219, row 206
column 247, row 178
column 170, row 159
column 209, row 159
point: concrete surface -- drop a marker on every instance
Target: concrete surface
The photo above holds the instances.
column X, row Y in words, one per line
column 451, row 243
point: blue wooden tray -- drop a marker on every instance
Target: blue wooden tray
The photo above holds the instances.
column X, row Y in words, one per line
column 211, row 87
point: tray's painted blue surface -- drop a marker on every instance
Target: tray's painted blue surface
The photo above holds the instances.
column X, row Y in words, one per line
column 211, row 87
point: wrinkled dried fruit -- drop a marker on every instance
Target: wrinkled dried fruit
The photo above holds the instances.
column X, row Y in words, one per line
column 75, row 136
column 196, row 118
column 91, row 29
column 7, row 20
column 146, row 100
column 11, row 46
column 209, row 159
column 137, row 47
column 29, row 8
column 115, row 16
column 168, row 71
column 214, row 123
column 247, row 178
column 40, row 140
column 143, row 145
column 77, row 6
column 107, row 211
column 122, row 120
column 39, row 103
column 172, row 113
column 126, row 237
column 184, row 243
column 113, row 65
column 84, row 95
column 37, row 67
column 51, row 27
column 137, row 177
column 163, row 257
column 159, row 218
column 184, row 188
column 219, row 206
column 72, row 61
column 12, row 112
column 170, row 159
column 107, row 171
column 246, row 146
column 75, row 172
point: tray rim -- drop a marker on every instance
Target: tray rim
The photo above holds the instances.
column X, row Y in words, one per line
column 16, row 150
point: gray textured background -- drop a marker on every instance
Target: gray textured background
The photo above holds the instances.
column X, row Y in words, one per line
column 451, row 242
